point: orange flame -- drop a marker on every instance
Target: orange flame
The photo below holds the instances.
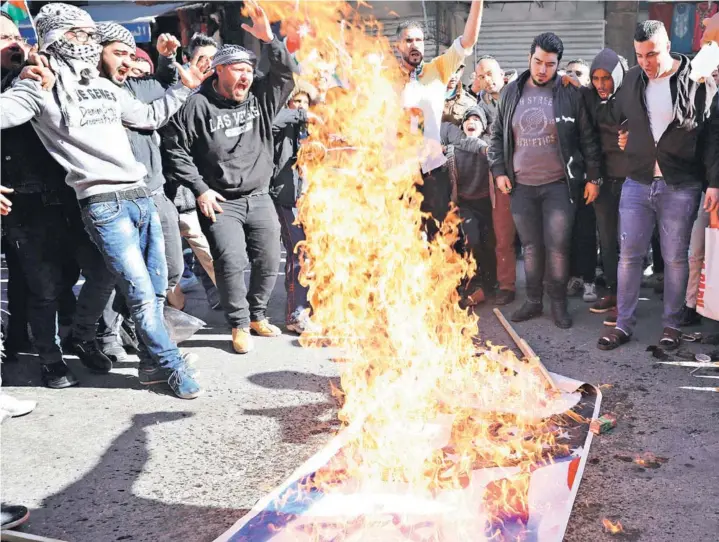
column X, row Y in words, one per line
column 421, row 405
column 612, row 528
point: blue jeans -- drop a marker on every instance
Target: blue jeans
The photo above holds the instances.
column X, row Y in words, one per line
column 544, row 216
column 641, row 207
column 129, row 236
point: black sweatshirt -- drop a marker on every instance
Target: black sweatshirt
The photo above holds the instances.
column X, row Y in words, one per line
column 614, row 161
column 224, row 145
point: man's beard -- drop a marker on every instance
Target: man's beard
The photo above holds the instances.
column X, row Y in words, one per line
column 115, row 78
column 408, row 59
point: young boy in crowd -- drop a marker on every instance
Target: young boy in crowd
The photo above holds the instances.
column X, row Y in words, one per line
column 466, row 153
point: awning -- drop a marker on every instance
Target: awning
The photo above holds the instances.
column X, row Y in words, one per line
column 136, row 18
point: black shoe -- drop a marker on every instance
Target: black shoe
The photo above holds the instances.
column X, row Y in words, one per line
column 58, row 376
column 690, row 317
column 527, row 311
column 114, row 351
column 560, row 315
column 13, row 516
column 504, row 297
column 91, row 356
column 128, row 337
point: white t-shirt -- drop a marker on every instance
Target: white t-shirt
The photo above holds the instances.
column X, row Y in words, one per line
column 427, row 93
column 660, row 109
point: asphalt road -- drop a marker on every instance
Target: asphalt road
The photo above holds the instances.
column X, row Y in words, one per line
column 111, row 460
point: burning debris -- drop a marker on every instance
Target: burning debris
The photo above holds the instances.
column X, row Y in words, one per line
column 612, row 528
column 650, row 461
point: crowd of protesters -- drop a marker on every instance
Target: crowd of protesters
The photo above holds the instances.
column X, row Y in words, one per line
column 123, row 159
column 111, row 161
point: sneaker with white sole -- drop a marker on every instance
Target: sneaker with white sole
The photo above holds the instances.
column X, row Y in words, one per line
column 590, row 292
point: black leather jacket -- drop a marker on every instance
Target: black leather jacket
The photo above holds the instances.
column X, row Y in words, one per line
column 578, row 140
column 684, row 152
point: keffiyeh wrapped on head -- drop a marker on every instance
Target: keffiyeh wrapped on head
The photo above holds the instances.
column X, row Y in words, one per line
column 110, row 32
column 233, row 54
column 74, row 63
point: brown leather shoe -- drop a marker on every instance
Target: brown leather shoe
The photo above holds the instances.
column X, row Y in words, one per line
column 242, row 341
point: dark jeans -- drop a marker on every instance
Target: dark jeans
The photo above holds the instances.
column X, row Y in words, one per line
column 292, row 234
column 437, row 193
column 479, row 239
column 173, row 241
column 544, row 216
column 247, row 231
column 642, row 207
column 48, row 240
column 16, row 337
column 116, row 309
column 583, row 259
column 129, row 235
column 606, row 207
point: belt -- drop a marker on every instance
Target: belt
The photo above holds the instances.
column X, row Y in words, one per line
column 134, row 193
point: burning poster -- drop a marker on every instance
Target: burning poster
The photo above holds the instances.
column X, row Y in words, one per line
column 492, row 502
column 439, row 442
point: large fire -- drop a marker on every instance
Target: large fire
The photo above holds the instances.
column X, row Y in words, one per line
column 389, row 298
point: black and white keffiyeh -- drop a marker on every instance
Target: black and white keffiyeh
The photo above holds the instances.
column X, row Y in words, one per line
column 110, row 32
column 73, row 63
column 233, row 54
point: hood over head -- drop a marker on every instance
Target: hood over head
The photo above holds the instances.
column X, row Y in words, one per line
column 609, row 61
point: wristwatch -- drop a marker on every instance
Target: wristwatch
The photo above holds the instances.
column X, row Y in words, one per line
column 598, row 181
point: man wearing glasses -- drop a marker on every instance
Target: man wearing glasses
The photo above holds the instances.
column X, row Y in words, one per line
column 81, row 123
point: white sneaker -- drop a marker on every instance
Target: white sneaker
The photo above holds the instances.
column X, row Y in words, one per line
column 15, row 407
column 590, row 292
column 574, row 286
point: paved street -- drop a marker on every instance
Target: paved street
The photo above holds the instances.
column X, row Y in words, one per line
column 112, row 461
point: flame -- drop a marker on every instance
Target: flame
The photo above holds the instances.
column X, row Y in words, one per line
column 649, row 460
column 388, row 297
column 612, row 528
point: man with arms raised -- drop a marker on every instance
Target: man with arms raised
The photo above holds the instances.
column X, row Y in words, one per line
column 425, row 92
column 220, row 145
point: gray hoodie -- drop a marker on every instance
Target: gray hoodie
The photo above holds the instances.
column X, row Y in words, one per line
column 97, row 154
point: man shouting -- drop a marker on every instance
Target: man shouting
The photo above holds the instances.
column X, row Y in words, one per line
column 220, row 145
